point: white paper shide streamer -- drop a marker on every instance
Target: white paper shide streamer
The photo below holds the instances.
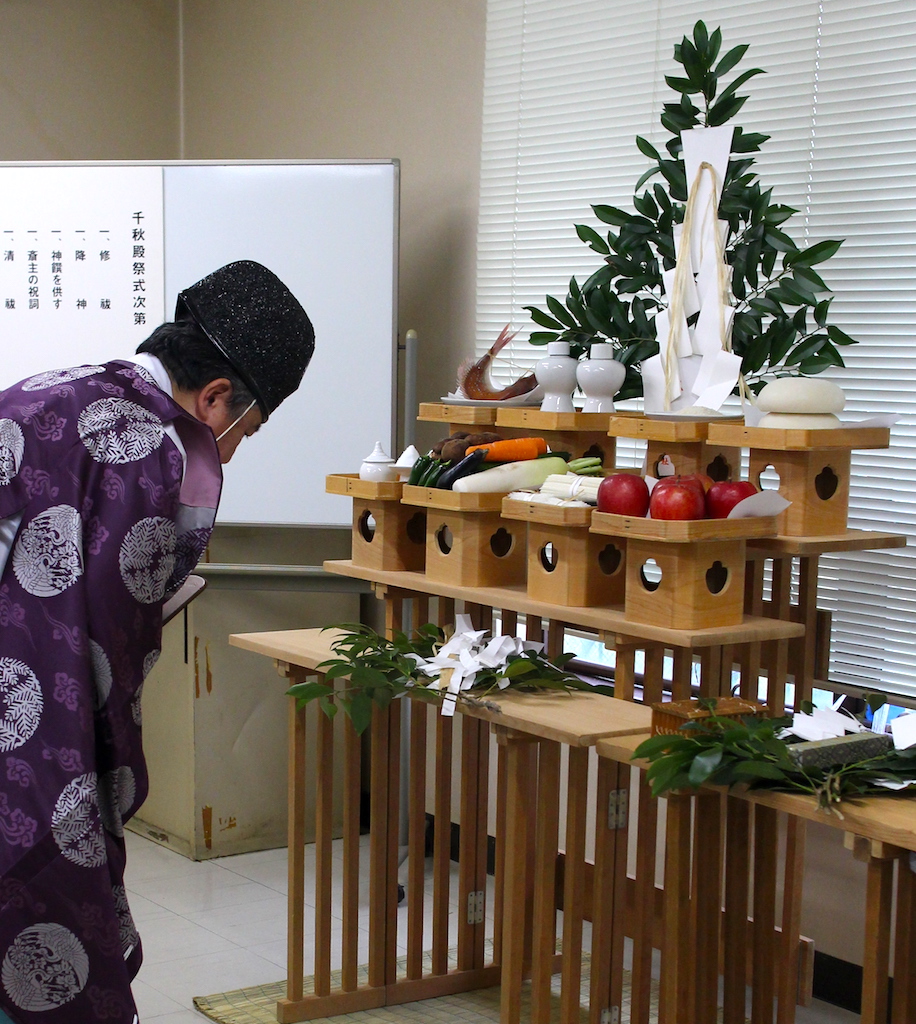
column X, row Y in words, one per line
column 468, row 652
column 695, row 367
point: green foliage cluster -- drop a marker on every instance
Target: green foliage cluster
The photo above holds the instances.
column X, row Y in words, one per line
column 782, row 303
column 371, row 670
column 724, row 751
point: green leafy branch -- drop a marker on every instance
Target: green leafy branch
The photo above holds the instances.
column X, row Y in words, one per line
column 371, row 670
column 781, row 324
column 724, row 751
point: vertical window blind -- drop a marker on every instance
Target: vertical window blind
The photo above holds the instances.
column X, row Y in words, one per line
column 569, row 84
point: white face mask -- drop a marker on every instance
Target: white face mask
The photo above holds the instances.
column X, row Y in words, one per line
column 236, row 421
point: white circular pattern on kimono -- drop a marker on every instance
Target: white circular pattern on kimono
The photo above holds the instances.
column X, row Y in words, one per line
column 76, row 824
column 136, row 707
column 101, row 673
column 12, row 446
column 44, row 967
column 150, row 660
column 147, row 558
column 48, row 556
column 127, row 930
column 21, row 703
column 117, row 790
column 141, row 371
column 51, row 378
column 116, row 431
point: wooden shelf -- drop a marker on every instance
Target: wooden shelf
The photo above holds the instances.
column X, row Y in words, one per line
column 609, row 620
column 735, row 435
column 548, row 515
column 645, row 428
column 889, row 819
column 350, row 485
column 468, row 415
column 683, row 531
column 578, row 719
column 452, row 501
column 531, row 418
column 851, row 540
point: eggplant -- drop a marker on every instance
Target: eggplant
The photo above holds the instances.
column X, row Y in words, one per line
column 465, row 467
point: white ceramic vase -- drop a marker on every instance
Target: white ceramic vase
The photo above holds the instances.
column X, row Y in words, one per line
column 378, row 466
column 557, row 376
column 600, row 378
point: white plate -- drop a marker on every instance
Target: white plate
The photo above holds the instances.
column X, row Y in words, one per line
column 526, row 399
column 686, row 417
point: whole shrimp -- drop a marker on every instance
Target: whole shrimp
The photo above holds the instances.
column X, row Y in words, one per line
column 474, row 377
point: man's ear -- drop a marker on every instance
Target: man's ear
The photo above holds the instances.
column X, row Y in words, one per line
column 212, row 399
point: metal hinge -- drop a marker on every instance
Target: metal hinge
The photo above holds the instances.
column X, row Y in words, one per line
column 610, row 1016
column 476, row 907
column 618, row 808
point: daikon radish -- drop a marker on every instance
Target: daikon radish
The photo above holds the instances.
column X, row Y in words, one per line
column 510, row 476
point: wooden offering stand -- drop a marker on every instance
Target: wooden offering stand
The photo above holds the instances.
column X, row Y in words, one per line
column 467, row 542
column 567, row 564
column 579, row 433
column 700, row 562
column 813, row 468
column 685, row 442
column 730, row 842
column 742, row 637
column 386, row 534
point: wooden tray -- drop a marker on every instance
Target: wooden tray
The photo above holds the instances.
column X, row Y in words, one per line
column 451, row 501
column 351, row 485
column 736, row 435
column 533, row 419
column 466, row 415
column 549, row 515
column 639, row 426
column 683, row 531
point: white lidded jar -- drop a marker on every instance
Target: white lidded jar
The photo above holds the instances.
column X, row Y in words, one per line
column 557, row 376
column 378, row 466
column 600, row 377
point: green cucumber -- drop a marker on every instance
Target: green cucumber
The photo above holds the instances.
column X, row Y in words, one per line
column 430, row 477
column 419, row 468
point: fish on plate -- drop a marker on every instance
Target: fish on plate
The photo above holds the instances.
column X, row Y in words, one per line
column 474, row 376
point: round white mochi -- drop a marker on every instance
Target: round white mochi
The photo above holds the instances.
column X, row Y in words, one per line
column 800, row 421
column 801, row 394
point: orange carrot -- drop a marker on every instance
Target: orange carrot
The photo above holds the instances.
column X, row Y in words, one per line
column 512, row 449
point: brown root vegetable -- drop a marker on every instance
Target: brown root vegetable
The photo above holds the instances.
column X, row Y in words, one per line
column 455, row 448
column 439, row 445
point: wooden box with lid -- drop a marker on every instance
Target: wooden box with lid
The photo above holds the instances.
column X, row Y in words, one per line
column 567, row 564
column 386, row 534
column 467, row 541
column 684, row 574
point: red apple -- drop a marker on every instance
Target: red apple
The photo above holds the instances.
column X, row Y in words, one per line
column 705, row 480
column 694, row 480
column 725, row 494
column 679, row 499
column 625, row 494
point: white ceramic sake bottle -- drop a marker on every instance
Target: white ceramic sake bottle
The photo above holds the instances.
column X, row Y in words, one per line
column 557, row 376
column 600, row 378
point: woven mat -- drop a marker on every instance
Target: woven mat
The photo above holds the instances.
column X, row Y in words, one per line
column 258, row 1005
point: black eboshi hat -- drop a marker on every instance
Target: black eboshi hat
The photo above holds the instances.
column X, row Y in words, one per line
column 257, row 324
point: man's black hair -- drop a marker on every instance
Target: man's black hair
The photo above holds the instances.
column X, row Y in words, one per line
column 192, row 360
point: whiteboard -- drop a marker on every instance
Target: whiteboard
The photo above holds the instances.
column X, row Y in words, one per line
column 329, row 230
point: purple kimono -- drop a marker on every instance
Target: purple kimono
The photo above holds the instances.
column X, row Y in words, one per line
column 110, row 526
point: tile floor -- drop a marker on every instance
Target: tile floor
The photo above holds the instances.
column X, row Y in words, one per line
column 221, row 924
